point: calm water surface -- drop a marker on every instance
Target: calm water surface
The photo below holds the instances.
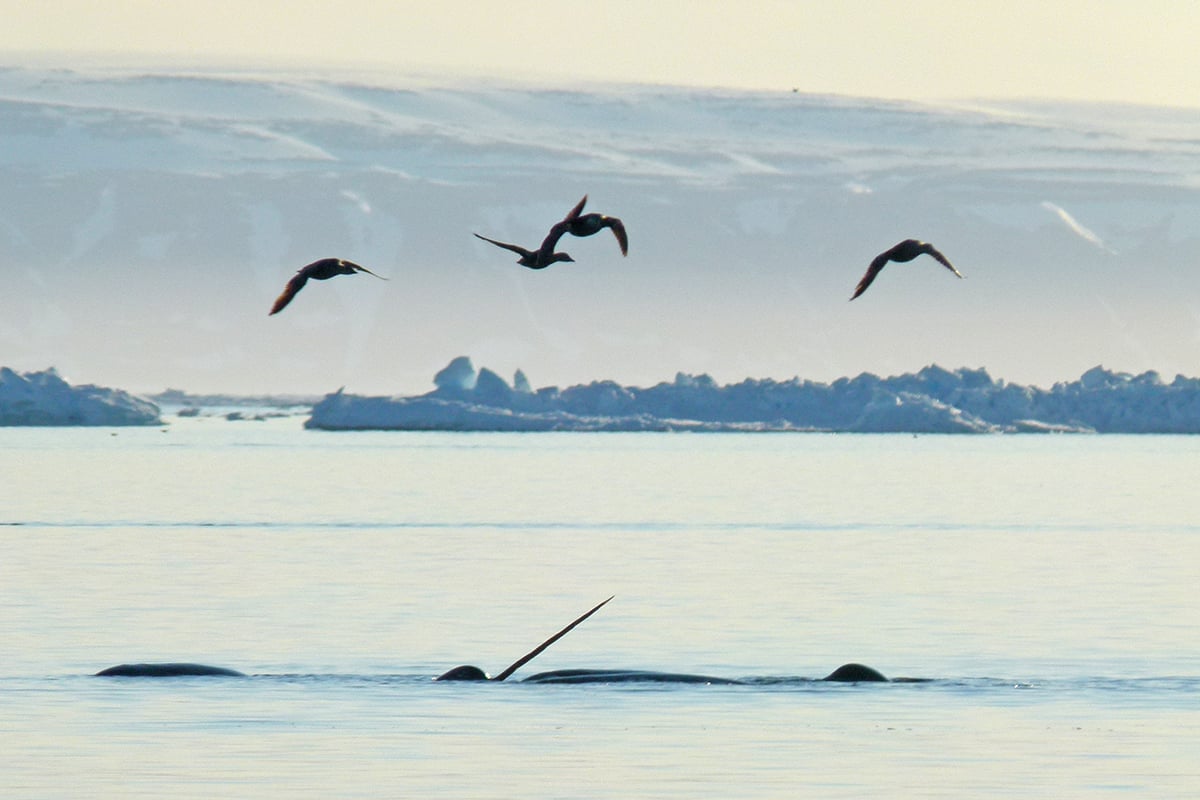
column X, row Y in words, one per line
column 1047, row 585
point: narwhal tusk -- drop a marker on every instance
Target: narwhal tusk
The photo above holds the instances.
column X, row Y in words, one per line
column 525, row 659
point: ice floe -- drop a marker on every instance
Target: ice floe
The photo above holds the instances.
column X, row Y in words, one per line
column 933, row 400
column 44, row 398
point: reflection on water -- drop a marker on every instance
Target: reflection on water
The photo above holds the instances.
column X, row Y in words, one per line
column 1045, row 584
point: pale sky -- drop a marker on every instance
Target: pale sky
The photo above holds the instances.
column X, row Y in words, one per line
column 1141, row 51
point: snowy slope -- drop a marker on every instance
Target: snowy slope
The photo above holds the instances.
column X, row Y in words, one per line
column 149, row 220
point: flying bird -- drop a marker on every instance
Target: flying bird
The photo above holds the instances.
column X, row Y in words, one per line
column 588, row 224
column 544, row 256
column 905, row 251
column 321, row 270
column 541, row 258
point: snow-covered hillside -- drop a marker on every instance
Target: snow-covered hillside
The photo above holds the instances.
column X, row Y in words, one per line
column 149, row 220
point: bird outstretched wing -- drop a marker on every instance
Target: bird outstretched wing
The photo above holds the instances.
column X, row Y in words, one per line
column 618, row 229
column 873, row 270
column 360, row 268
column 945, row 262
column 293, row 286
column 558, row 229
column 516, row 248
column 577, row 210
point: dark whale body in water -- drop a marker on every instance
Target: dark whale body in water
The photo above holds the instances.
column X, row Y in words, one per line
column 466, row 672
column 168, row 670
column 856, row 673
column 622, row 676
column 847, row 673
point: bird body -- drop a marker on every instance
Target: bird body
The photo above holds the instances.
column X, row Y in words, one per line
column 320, row 270
column 906, row 250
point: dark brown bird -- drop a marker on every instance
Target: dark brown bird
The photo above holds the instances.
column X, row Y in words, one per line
column 544, row 256
column 588, row 224
column 541, row 258
column 321, row 270
column 905, row 251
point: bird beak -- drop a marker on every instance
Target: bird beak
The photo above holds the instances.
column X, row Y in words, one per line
column 364, row 269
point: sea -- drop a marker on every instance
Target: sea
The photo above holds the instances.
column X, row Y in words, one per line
column 1043, row 587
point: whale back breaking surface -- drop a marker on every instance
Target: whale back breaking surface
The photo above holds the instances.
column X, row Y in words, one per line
column 856, row 673
column 622, row 676
column 167, row 670
column 466, row 672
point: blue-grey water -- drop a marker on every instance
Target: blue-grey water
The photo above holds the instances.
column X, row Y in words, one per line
column 1047, row 585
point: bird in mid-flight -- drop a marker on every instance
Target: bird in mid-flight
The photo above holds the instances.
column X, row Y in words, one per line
column 544, row 256
column 320, row 270
column 904, row 251
column 588, row 224
column 541, row 258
